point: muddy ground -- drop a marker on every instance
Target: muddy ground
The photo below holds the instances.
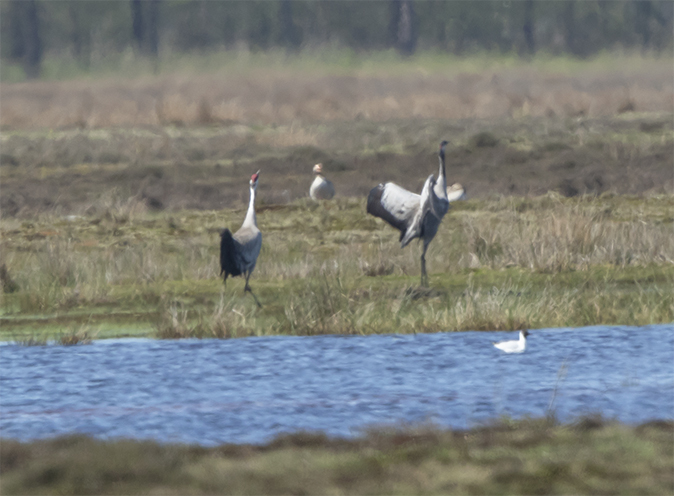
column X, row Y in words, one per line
column 82, row 171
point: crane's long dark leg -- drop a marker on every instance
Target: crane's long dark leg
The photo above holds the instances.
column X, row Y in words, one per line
column 424, row 274
column 247, row 288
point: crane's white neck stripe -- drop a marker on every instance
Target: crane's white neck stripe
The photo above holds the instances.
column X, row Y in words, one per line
column 250, row 215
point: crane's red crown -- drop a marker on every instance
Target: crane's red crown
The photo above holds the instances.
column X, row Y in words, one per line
column 253, row 178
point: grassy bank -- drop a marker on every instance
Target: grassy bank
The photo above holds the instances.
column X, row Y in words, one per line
column 495, row 264
column 591, row 456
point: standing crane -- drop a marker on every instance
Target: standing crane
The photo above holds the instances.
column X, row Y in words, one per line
column 239, row 251
column 416, row 216
column 321, row 188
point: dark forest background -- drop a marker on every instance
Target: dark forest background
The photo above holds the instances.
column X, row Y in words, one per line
column 90, row 30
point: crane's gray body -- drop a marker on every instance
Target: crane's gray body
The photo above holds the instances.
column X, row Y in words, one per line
column 239, row 251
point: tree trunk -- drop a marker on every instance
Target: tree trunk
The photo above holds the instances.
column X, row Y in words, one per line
column 16, row 44
column 137, row 18
column 643, row 14
column 402, row 26
column 80, row 37
column 569, row 20
column 290, row 35
column 153, row 28
column 528, row 27
column 32, row 56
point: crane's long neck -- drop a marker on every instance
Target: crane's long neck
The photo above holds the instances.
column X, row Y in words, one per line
column 250, row 219
column 441, row 184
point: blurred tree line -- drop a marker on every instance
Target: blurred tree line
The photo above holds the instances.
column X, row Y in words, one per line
column 34, row 29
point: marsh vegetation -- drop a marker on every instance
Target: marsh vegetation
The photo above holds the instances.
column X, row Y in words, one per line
column 505, row 263
column 534, row 456
column 110, row 223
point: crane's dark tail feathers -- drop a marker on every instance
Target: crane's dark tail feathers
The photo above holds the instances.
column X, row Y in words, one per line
column 376, row 208
column 228, row 265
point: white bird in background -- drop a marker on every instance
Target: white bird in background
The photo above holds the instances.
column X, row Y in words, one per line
column 514, row 346
column 239, row 251
column 321, row 188
column 456, row 192
column 416, row 216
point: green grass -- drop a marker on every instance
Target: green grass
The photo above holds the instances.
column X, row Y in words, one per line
column 507, row 263
column 531, row 456
column 325, row 60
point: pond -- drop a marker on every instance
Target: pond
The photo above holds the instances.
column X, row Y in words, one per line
column 249, row 390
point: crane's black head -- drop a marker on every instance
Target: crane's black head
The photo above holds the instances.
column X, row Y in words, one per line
column 441, row 153
column 253, row 179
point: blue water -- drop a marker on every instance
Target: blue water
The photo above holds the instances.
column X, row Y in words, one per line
column 249, row 390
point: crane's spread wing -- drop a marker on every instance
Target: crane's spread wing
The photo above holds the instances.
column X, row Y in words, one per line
column 415, row 229
column 393, row 204
column 230, row 261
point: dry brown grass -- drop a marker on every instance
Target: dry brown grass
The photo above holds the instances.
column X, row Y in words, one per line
column 279, row 95
column 548, row 235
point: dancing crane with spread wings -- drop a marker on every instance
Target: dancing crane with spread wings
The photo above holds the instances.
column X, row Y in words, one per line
column 415, row 216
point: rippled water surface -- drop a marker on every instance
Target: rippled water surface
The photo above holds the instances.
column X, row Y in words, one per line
column 249, row 390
